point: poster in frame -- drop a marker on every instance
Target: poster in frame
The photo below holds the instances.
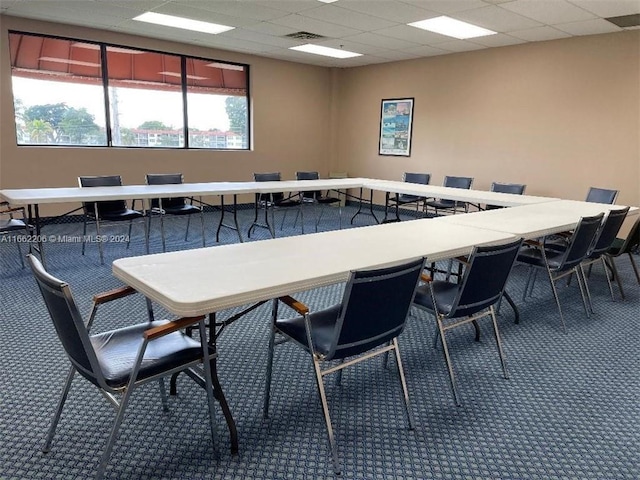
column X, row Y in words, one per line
column 396, row 125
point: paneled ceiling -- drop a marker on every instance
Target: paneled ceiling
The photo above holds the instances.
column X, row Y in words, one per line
column 376, row 28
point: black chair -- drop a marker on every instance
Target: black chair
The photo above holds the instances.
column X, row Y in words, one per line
column 560, row 263
column 406, row 199
column 10, row 226
column 110, row 210
column 269, row 202
column 451, row 205
column 601, row 195
column 119, row 361
column 457, row 303
column 619, row 247
column 317, row 197
column 172, row 206
column 513, row 188
column 604, row 240
column 372, row 313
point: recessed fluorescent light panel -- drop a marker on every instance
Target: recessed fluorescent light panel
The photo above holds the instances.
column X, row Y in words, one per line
column 327, row 1
column 181, row 22
column 326, row 51
column 452, row 28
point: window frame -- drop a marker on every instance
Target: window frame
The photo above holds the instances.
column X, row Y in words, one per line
column 102, row 46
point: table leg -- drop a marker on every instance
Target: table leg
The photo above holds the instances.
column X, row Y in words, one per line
column 235, row 225
column 370, row 212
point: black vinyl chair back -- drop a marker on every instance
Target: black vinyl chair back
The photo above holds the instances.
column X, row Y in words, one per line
column 455, row 182
column 166, row 179
column 601, row 195
column 580, row 243
column 104, row 207
column 309, row 176
column 608, row 232
column 68, row 323
column 485, row 278
column 375, row 306
column 515, row 188
column 273, row 197
column 418, row 178
column 632, row 241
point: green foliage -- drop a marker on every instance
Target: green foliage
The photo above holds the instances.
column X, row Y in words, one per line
column 237, row 112
column 55, row 123
column 153, row 125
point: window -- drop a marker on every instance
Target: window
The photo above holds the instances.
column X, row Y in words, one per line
column 67, row 91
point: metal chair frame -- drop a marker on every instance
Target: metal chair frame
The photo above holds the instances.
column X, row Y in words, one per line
column 271, row 201
column 156, row 206
column 316, row 198
column 13, row 226
column 452, row 205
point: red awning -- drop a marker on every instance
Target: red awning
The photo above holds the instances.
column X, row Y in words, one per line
column 63, row 60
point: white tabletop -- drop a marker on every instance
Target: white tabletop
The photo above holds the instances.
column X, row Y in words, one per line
column 459, row 194
column 32, row 196
column 195, row 282
column 537, row 220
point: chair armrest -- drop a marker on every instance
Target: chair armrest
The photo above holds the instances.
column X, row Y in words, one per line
column 114, row 294
column 425, row 278
column 172, row 326
column 294, row 304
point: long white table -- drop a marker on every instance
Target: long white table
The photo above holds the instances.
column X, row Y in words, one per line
column 207, row 280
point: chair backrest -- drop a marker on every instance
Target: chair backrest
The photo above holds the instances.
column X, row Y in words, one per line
column 309, row 176
column 458, row 182
column 165, row 179
column 581, row 242
column 110, row 206
column 374, row 308
column 602, row 195
column 484, row 278
column 419, row 178
column 67, row 322
column 632, row 240
column 515, row 188
column 608, row 231
column 268, row 177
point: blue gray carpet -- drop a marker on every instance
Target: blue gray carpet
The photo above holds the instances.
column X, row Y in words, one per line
column 569, row 411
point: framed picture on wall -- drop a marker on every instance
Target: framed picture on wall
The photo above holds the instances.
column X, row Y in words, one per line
column 396, row 124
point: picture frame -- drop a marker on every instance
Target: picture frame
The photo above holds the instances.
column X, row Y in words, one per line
column 396, row 127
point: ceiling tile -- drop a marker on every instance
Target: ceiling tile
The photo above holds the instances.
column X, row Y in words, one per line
column 460, row 46
column 539, row 34
column 499, row 40
column 348, row 18
column 245, row 9
column 497, row 19
column 548, row 11
column 423, row 51
column 181, row 10
column 609, row 8
column 447, row 6
column 312, row 25
column 381, row 41
column 412, row 34
column 589, row 27
column 394, row 11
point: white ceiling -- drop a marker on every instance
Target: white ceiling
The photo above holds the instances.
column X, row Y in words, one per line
column 375, row 28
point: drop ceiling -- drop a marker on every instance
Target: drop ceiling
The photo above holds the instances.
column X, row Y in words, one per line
column 377, row 29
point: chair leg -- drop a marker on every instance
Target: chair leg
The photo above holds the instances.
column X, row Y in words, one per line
column 452, row 378
column 208, row 382
column 56, row 416
column 616, row 276
column 164, row 246
column 339, row 375
column 186, row 234
column 606, row 274
column 267, row 382
column 635, row 267
column 584, row 290
column 202, row 225
column 555, row 295
column 84, row 234
column 163, row 395
column 327, row 418
column 114, row 432
column 503, row 360
column 403, row 384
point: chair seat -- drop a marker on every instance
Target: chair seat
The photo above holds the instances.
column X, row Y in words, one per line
column 126, row 214
column 445, row 293
column 533, row 256
column 327, row 200
column 404, row 198
column 116, row 351
column 287, row 203
column 323, row 324
column 184, row 209
column 441, row 203
column 11, row 225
